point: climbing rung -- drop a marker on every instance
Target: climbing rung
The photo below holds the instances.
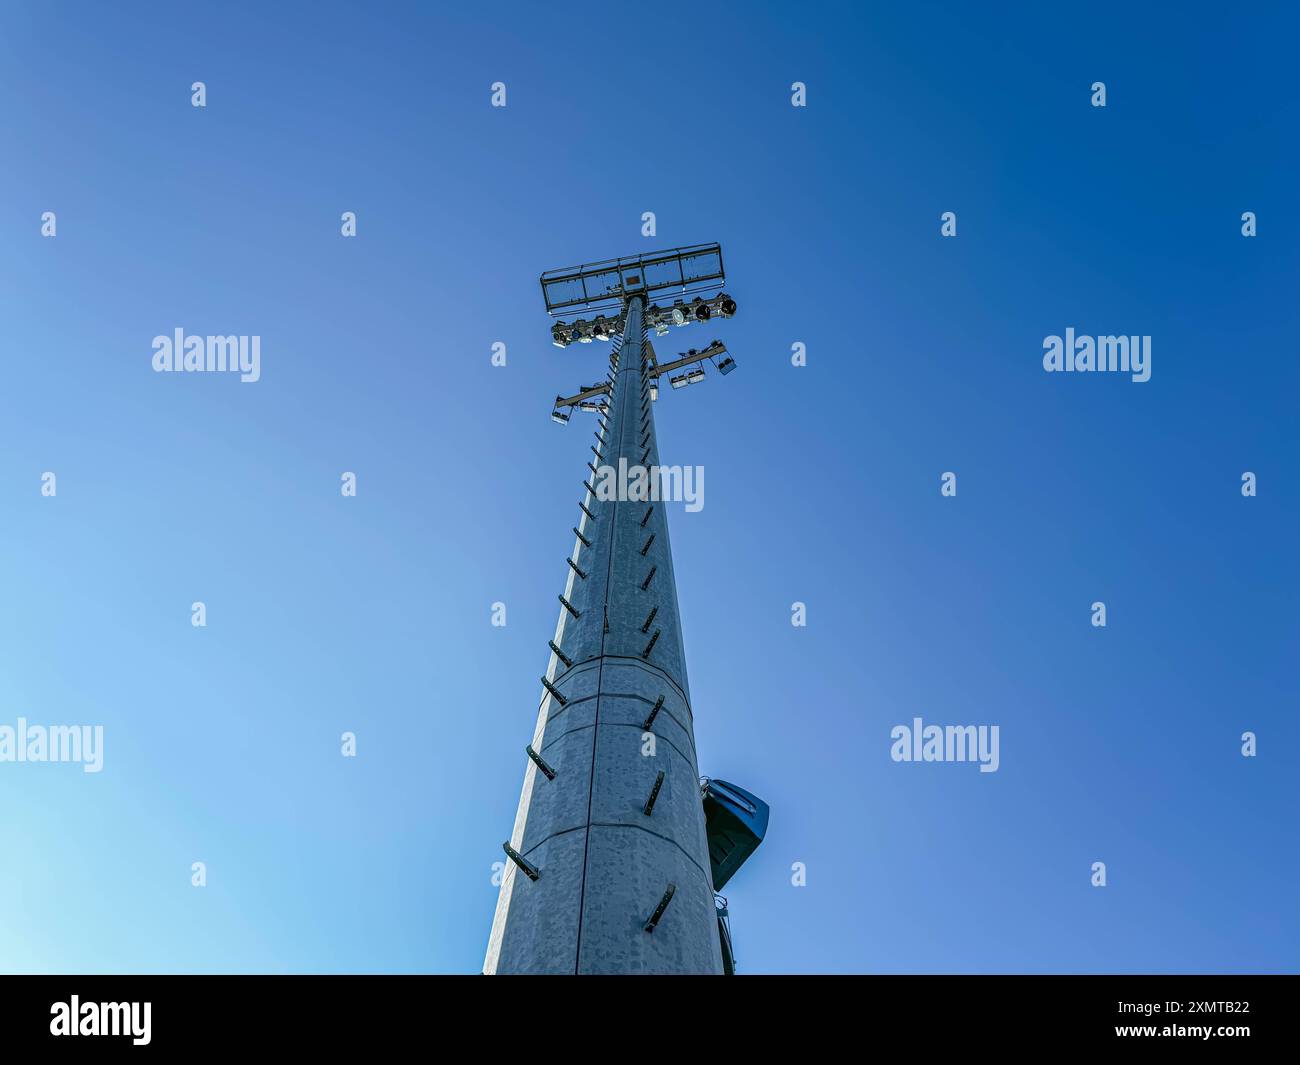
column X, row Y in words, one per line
column 560, row 654
column 573, row 566
column 659, row 910
column 648, row 578
column 556, row 694
column 651, row 645
column 540, row 762
column 585, row 541
column 654, row 794
column 654, row 712
column 646, row 546
column 570, row 607
column 646, row 517
column 649, row 618
column 531, row 871
column 586, row 511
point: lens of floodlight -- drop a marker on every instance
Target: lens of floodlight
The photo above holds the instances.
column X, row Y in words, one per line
column 679, row 316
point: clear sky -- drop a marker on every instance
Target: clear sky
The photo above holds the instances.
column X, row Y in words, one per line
column 372, row 614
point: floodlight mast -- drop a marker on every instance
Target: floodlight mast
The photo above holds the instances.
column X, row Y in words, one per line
column 608, row 867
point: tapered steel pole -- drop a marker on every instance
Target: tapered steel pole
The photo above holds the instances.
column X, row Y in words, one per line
column 616, row 714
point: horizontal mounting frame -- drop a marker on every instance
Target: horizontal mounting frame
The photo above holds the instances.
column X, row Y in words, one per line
column 678, row 271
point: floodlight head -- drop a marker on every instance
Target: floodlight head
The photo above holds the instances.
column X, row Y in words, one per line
column 560, row 416
column 654, row 393
column 678, row 381
column 695, row 376
column 726, row 365
column 560, row 335
column 702, row 310
column 726, row 305
column 679, row 314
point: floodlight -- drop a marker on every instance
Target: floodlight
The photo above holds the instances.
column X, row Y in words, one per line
column 679, row 381
column 726, row 365
column 726, row 305
column 560, row 416
column 679, row 314
column 654, row 393
column 695, row 376
column 606, row 327
column 560, row 335
column 701, row 309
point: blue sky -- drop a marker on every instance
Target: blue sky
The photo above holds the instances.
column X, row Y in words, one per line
column 372, row 614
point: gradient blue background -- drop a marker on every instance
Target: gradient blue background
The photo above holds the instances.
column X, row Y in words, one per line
column 372, row 614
